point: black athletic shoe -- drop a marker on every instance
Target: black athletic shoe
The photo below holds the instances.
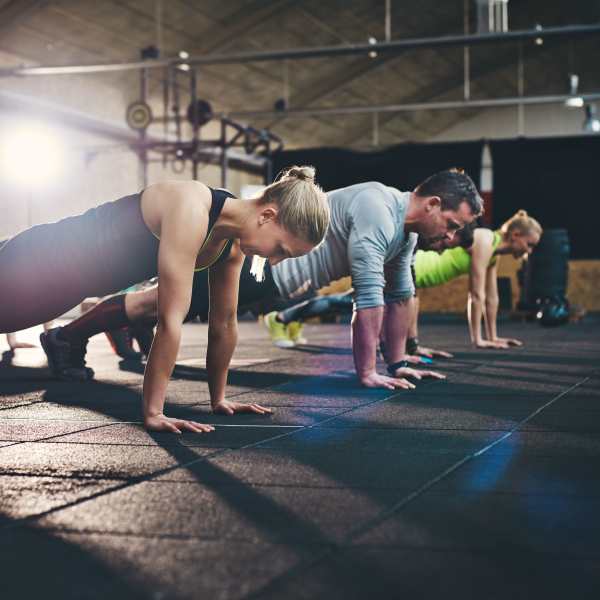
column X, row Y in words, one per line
column 122, row 343
column 66, row 360
column 144, row 335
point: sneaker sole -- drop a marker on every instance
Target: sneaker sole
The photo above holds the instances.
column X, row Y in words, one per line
column 58, row 374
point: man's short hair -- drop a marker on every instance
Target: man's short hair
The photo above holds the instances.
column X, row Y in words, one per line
column 454, row 187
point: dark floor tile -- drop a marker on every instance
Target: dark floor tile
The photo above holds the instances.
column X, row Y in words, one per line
column 559, row 526
column 218, row 506
column 87, row 460
column 382, row 573
column 527, row 474
column 351, row 467
column 25, row 495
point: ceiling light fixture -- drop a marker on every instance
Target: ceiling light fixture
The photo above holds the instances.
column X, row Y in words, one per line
column 591, row 124
column 574, row 100
column 372, row 41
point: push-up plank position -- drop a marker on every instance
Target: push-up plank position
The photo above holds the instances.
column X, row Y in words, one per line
column 371, row 237
column 169, row 230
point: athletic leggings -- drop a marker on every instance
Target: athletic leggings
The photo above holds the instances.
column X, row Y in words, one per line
column 48, row 269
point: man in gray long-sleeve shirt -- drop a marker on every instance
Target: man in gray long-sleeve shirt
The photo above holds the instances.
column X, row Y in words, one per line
column 365, row 233
column 371, row 236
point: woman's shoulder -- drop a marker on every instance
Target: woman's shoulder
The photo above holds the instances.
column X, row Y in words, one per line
column 172, row 196
column 482, row 238
column 483, row 233
column 179, row 188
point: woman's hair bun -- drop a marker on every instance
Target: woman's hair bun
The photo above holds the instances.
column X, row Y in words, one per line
column 521, row 213
column 304, row 173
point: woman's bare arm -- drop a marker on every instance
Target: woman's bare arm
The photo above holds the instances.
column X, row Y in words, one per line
column 481, row 255
column 182, row 231
column 224, row 281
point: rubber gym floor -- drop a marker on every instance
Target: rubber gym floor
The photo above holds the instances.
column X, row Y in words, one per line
column 486, row 485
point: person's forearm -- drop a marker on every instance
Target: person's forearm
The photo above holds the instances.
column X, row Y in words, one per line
column 160, row 367
column 395, row 327
column 222, row 339
column 366, row 325
column 491, row 315
column 413, row 330
column 475, row 312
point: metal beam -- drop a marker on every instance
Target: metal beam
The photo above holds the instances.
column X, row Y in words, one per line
column 15, row 11
column 411, row 107
column 29, row 106
column 318, row 52
column 251, row 15
column 328, row 84
column 438, row 87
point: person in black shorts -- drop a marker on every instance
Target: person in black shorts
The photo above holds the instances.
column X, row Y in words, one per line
column 168, row 230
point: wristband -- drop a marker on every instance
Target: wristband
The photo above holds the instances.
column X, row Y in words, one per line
column 401, row 364
column 412, row 345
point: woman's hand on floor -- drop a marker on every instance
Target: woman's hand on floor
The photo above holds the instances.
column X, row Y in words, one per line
column 228, row 407
column 491, row 344
column 164, row 423
column 508, row 341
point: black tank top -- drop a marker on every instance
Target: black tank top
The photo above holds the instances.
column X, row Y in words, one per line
column 219, row 195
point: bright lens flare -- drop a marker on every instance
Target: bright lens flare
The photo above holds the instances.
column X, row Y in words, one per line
column 31, row 155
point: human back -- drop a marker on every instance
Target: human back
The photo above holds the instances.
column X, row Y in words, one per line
column 371, row 211
column 436, row 268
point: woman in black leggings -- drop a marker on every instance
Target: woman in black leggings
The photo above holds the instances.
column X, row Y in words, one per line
column 170, row 229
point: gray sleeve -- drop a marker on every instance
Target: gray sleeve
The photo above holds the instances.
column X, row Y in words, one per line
column 373, row 228
column 398, row 277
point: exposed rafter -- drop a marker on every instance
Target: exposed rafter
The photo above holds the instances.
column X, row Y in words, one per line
column 16, row 11
column 317, row 90
column 570, row 31
column 439, row 87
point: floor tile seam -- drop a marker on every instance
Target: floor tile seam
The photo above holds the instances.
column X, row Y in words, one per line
column 66, row 477
column 484, row 551
column 366, row 451
column 550, row 430
column 451, row 469
column 148, row 477
column 346, row 411
column 47, row 438
column 85, row 479
column 22, row 405
column 193, row 482
column 384, row 515
column 60, row 420
column 250, row 541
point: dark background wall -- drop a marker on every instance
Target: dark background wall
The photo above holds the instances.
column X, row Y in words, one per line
column 554, row 179
column 403, row 166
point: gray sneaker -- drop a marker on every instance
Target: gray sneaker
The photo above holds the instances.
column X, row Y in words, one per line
column 66, row 360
